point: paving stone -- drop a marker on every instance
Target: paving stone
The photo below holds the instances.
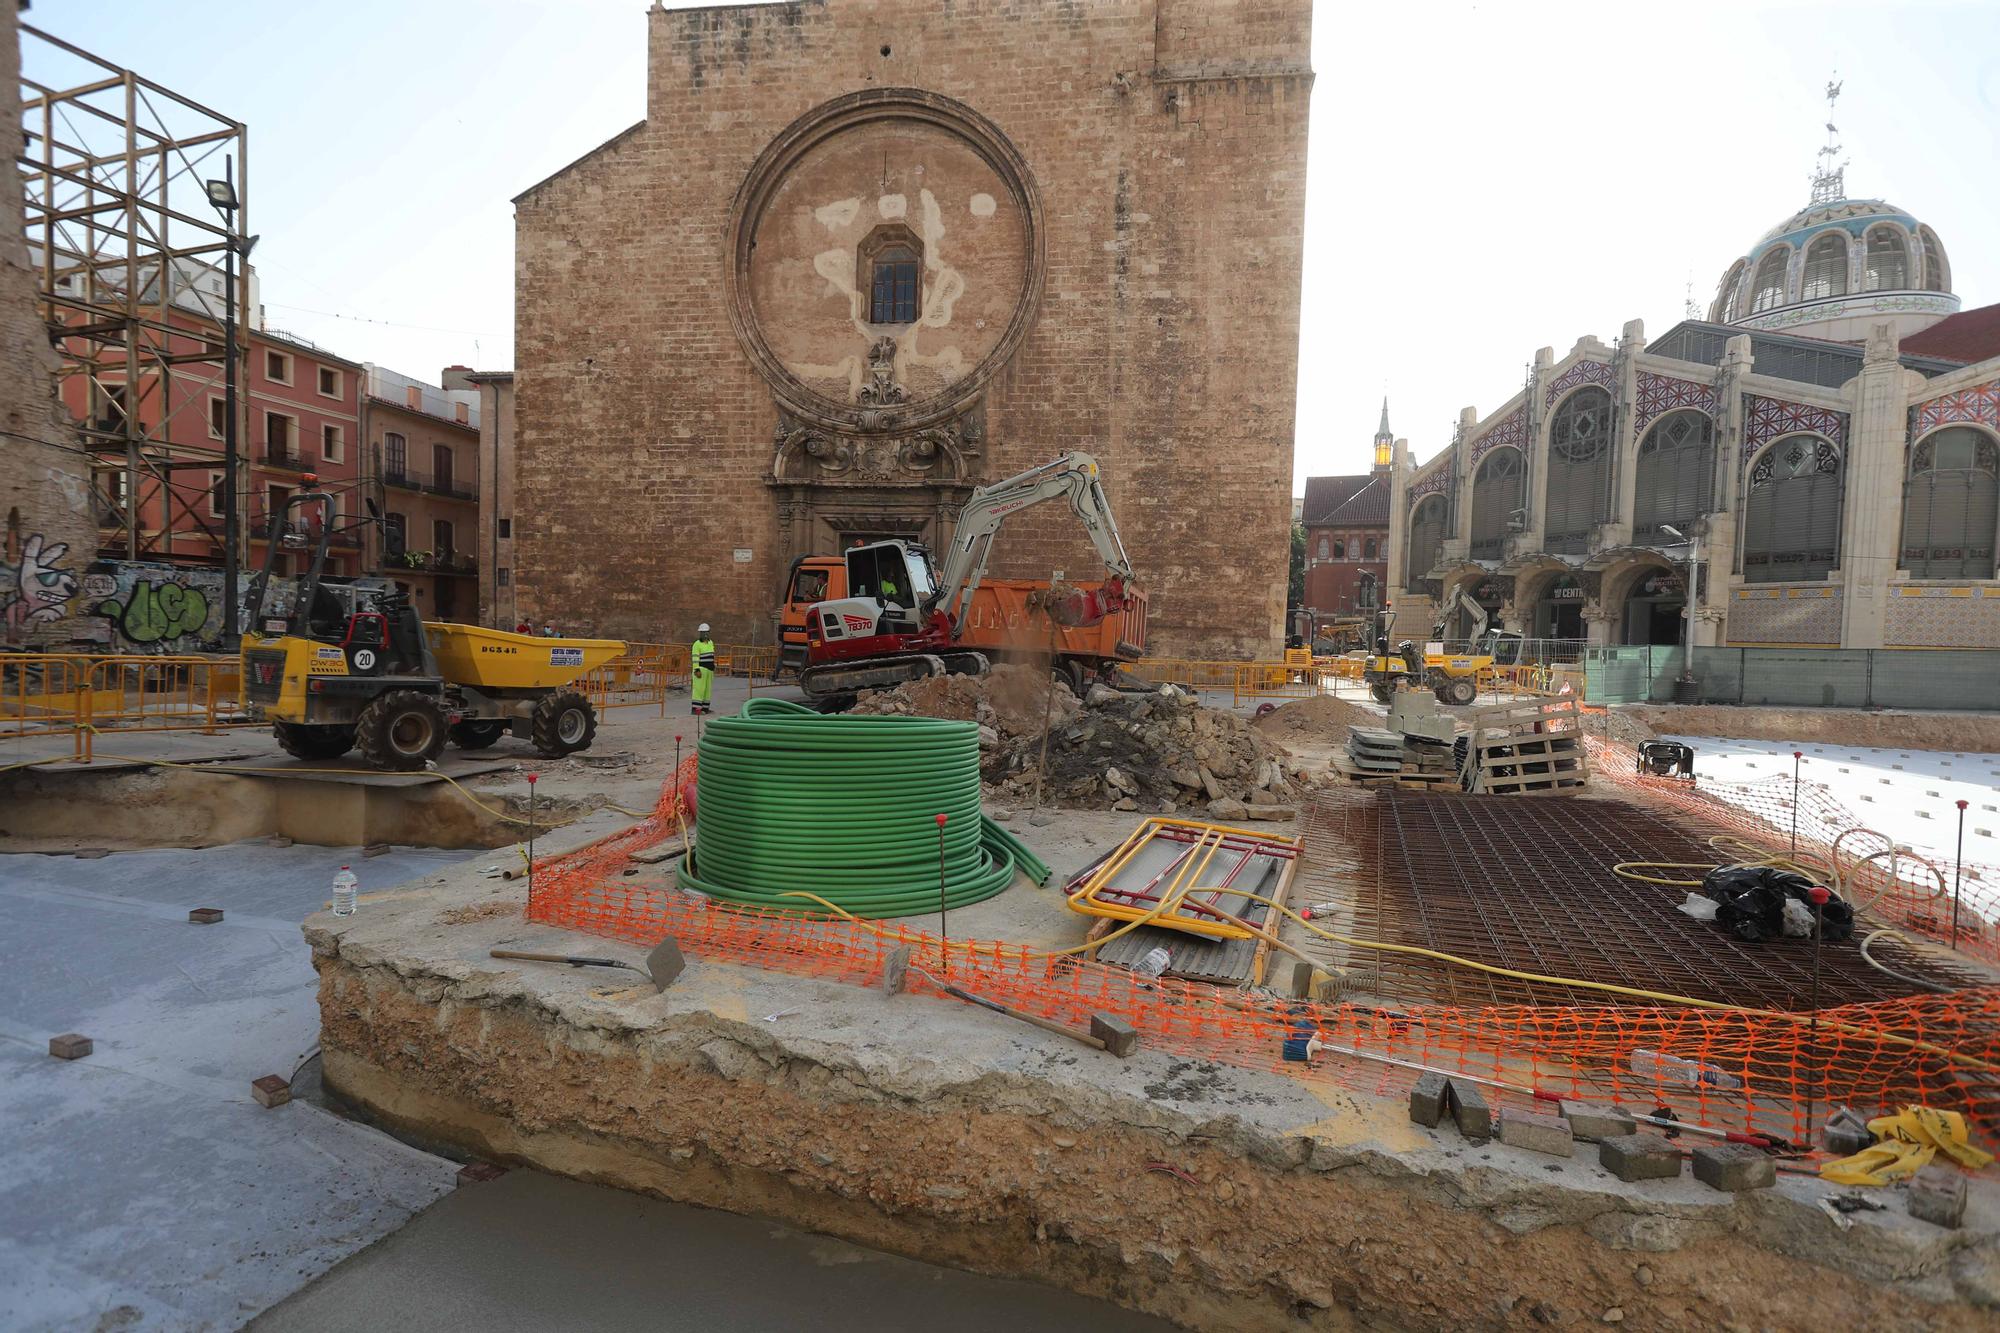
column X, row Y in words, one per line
column 896, row 970
column 1846, row 1133
column 472, row 1173
column 1937, row 1195
column 1734, row 1167
column 1119, row 1037
column 1469, row 1110
column 1427, row 1101
column 1592, row 1121
column 271, row 1090
column 70, row 1046
column 1536, row 1132
column 204, row 916
column 1632, row 1157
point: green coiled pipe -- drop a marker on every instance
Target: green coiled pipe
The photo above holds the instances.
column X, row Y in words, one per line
column 845, row 807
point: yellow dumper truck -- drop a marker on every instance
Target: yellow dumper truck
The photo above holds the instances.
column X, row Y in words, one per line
column 349, row 665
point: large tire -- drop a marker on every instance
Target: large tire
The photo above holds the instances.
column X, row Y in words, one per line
column 1068, row 671
column 1457, row 690
column 564, row 722
column 313, row 741
column 477, row 735
column 1383, row 691
column 401, row 731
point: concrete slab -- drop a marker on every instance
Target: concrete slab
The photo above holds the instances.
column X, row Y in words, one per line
column 531, row 1252
column 143, row 1187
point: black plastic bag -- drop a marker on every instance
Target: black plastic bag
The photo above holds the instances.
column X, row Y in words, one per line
column 1750, row 902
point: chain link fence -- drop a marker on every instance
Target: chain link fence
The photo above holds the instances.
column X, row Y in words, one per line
column 1943, row 678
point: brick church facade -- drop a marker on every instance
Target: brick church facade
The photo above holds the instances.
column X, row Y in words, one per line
column 863, row 257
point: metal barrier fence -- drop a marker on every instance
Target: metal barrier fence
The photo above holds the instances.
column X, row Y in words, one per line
column 1953, row 678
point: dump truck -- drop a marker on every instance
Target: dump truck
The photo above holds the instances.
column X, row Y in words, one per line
column 1007, row 620
column 348, row 664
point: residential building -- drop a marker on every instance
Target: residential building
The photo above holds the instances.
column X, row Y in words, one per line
column 304, row 409
column 423, row 473
column 496, row 497
column 1347, row 535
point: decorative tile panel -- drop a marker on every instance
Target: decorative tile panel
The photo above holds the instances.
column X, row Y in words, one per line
column 1583, row 372
column 1981, row 403
column 1767, row 419
column 1511, row 429
column 1660, row 394
column 1784, row 615
column 1438, row 479
column 1942, row 616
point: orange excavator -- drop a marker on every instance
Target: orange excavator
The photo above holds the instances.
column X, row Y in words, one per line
column 902, row 620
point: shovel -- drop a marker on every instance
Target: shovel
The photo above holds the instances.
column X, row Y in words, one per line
column 663, row 964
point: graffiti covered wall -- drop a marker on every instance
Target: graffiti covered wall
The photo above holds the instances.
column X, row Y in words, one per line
column 113, row 606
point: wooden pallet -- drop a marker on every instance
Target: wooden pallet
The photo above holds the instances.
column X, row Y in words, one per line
column 1539, row 744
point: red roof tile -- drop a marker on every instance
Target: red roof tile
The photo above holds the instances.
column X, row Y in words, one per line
column 1970, row 335
column 1326, row 494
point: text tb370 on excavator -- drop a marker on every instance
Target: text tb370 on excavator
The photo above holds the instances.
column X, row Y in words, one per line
column 903, row 621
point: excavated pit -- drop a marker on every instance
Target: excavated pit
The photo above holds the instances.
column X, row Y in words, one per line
column 1219, row 1197
column 133, row 808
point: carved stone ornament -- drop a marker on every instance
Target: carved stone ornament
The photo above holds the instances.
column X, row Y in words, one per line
column 881, row 390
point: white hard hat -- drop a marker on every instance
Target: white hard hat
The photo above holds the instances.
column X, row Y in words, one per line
column 702, row 629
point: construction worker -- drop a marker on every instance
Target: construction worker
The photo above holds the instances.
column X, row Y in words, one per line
column 702, row 656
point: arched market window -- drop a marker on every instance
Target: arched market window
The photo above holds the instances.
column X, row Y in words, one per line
column 1675, row 475
column 1888, row 261
column 1951, row 505
column 1769, row 288
column 1579, row 469
column 1426, row 539
column 1792, row 530
column 1497, row 493
column 1826, row 267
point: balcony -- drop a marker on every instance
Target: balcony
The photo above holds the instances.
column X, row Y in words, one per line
column 284, row 454
column 448, row 563
column 450, row 485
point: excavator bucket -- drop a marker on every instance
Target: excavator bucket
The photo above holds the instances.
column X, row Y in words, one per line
column 1075, row 608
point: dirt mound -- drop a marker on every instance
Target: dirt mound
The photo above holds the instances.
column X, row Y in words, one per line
column 1156, row 751
column 1969, row 733
column 1011, row 699
column 1320, row 717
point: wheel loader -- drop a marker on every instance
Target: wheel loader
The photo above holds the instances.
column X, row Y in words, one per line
column 348, row 665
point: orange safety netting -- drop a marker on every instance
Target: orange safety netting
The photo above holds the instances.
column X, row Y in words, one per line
column 1771, row 1074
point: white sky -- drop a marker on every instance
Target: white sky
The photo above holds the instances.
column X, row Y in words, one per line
column 1484, row 178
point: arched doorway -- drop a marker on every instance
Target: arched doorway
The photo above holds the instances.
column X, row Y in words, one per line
column 1558, row 612
column 1653, row 608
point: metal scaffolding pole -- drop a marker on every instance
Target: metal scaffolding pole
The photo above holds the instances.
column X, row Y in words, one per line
column 133, row 269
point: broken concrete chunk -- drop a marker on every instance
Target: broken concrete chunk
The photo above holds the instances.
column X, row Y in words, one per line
column 1846, row 1133
column 1633, row 1157
column 1272, row 812
column 1536, row 1132
column 1124, row 803
column 1228, row 809
column 665, row 962
column 1209, row 784
column 1427, row 1099
column 1120, row 781
column 895, row 970
column 1097, row 696
column 1592, row 1123
column 989, row 739
column 70, row 1046
column 1734, row 1167
column 1184, row 777
column 1469, row 1110
column 1937, row 1195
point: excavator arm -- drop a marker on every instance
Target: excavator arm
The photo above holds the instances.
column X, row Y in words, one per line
column 1456, row 600
column 1074, row 476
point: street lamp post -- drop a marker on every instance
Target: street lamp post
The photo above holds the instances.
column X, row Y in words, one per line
column 222, row 194
column 1685, row 683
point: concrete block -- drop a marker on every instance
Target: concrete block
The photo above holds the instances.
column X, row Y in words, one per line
column 1119, row 1037
column 1592, row 1122
column 1302, row 979
column 1633, row 1157
column 204, row 916
column 1937, row 1195
column 1427, row 1101
column 70, row 1046
column 271, row 1090
column 896, row 970
column 376, row 849
column 1536, row 1132
column 1469, row 1110
column 665, row 962
column 1734, row 1167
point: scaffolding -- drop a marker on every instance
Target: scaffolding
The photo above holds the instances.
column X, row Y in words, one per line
column 131, row 253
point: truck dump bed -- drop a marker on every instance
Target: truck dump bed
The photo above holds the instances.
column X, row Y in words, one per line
column 492, row 659
column 1000, row 620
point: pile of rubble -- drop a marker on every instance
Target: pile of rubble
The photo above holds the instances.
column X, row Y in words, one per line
column 1321, row 717
column 1157, row 750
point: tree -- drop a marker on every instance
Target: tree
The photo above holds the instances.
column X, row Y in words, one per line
column 1296, row 597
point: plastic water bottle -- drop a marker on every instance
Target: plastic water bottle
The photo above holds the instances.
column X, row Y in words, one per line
column 1662, row 1068
column 343, row 892
column 1154, row 963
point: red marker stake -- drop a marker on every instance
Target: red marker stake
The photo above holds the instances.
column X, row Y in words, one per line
column 1798, row 756
column 944, row 935
column 1957, row 874
column 1818, row 896
column 532, row 778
